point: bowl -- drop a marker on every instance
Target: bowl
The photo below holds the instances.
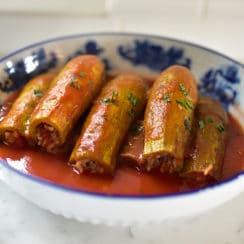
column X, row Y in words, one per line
column 217, row 75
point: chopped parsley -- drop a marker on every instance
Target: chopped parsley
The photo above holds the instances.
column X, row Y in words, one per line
column 183, row 89
column 185, row 103
column 82, row 74
column 114, row 95
column 166, row 97
column 201, row 124
column 187, row 124
column 133, row 99
column 73, row 81
column 209, row 120
column 38, row 93
column 220, row 128
column 106, row 100
column 111, row 99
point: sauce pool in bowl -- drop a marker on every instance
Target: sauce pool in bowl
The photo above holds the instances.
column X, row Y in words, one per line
column 126, row 180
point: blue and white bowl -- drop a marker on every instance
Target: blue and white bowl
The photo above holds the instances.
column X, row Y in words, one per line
column 217, row 75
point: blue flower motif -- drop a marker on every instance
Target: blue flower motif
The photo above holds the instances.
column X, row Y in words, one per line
column 21, row 71
column 219, row 84
column 153, row 56
column 91, row 47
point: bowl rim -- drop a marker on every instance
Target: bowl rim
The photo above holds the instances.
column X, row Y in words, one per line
column 87, row 34
column 68, row 189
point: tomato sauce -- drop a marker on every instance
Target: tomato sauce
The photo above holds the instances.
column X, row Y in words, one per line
column 234, row 154
column 126, row 180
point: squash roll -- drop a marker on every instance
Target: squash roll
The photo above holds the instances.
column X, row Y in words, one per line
column 119, row 103
column 206, row 158
column 169, row 118
column 70, row 94
column 14, row 128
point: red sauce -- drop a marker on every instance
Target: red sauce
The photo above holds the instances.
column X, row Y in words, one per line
column 126, row 180
column 234, row 154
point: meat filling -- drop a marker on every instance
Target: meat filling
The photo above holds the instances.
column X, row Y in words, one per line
column 166, row 163
column 88, row 165
column 13, row 138
column 47, row 137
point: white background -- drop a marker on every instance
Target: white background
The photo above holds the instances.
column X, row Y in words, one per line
column 218, row 24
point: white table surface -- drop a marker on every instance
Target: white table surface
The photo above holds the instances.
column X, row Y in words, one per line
column 22, row 222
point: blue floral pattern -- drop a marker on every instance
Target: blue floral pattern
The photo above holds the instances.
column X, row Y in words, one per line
column 21, row 71
column 219, row 84
column 152, row 55
column 91, row 47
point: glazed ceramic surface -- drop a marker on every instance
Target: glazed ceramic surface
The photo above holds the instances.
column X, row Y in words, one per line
column 217, row 76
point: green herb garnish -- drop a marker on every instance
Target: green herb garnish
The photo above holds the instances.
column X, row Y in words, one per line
column 106, row 100
column 82, row 74
column 209, row 120
column 73, row 81
column 114, row 95
column 183, row 89
column 201, row 124
column 185, row 103
column 187, row 124
column 38, row 93
column 133, row 99
column 220, row 128
column 166, row 98
column 112, row 99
